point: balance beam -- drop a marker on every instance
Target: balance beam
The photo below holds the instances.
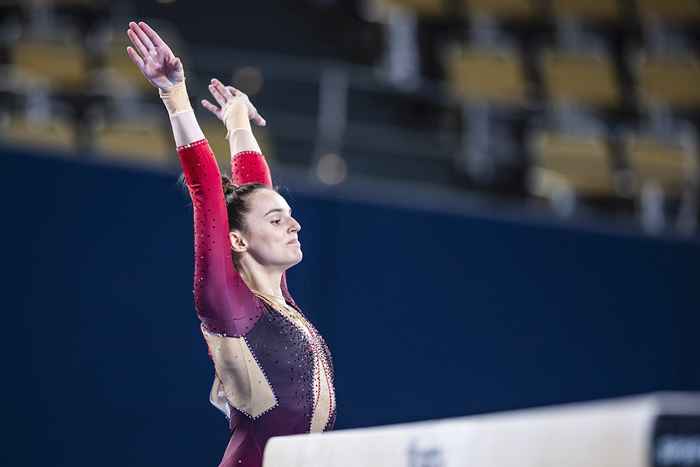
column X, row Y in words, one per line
column 656, row 430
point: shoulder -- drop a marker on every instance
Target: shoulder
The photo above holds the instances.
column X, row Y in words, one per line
column 238, row 323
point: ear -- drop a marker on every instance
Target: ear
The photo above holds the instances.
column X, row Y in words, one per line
column 238, row 243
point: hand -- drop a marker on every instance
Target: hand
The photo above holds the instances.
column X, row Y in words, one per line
column 226, row 96
column 154, row 58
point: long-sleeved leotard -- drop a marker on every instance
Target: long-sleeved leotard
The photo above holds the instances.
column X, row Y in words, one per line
column 274, row 374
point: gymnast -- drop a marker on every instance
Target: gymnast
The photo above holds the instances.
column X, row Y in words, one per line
column 273, row 370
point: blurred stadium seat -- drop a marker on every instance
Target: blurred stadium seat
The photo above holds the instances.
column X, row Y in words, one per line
column 671, row 166
column 57, row 133
column 580, row 163
column 420, row 7
column 141, row 140
column 504, row 9
column 593, row 11
column 671, row 81
column 579, row 79
column 487, row 75
column 59, row 65
column 681, row 11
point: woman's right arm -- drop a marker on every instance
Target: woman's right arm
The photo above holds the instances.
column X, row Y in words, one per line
column 223, row 301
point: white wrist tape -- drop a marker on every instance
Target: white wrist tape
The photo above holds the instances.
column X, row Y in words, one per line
column 242, row 139
column 176, row 99
column 186, row 130
column 235, row 116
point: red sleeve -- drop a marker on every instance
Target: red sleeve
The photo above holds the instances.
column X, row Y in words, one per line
column 250, row 167
column 222, row 300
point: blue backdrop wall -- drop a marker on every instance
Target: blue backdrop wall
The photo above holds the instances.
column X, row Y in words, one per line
column 428, row 315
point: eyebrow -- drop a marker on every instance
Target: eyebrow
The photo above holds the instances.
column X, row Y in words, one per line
column 276, row 210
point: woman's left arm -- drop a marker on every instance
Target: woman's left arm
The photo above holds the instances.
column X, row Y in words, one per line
column 248, row 164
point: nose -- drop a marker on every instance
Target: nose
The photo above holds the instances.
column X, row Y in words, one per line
column 295, row 225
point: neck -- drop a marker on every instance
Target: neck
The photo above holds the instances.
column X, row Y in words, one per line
column 261, row 278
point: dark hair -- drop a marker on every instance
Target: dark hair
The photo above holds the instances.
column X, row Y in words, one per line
column 236, row 205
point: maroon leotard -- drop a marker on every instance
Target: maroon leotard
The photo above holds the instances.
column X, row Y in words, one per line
column 291, row 361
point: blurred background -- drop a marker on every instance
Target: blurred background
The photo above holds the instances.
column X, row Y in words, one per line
column 499, row 201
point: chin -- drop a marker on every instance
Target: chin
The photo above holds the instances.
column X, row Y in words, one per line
column 296, row 259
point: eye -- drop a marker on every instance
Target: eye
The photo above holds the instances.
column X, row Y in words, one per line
column 275, row 221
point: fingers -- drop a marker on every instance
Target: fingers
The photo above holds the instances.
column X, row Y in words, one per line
column 136, row 29
column 223, row 90
column 137, row 43
column 135, row 57
column 220, row 93
column 220, row 99
column 224, row 94
column 153, row 36
column 211, row 108
column 255, row 116
column 253, row 113
column 175, row 63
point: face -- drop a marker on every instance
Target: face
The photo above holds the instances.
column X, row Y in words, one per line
column 271, row 235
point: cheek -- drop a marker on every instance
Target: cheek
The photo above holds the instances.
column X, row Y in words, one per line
column 267, row 237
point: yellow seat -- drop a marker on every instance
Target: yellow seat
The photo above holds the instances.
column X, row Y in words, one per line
column 581, row 163
column 670, row 10
column 478, row 75
column 670, row 81
column 142, row 140
column 56, row 134
column 421, row 7
column 669, row 165
column 596, row 10
column 587, row 80
column 59, row 65
column 507, row 9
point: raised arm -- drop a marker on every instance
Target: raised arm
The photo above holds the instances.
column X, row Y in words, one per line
column 223, row 301
column 248, row 164
column 235, row 110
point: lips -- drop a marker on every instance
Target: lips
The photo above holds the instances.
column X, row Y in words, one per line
column 293, row 242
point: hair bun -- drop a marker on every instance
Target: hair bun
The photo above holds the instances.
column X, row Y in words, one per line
column 228, row 186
